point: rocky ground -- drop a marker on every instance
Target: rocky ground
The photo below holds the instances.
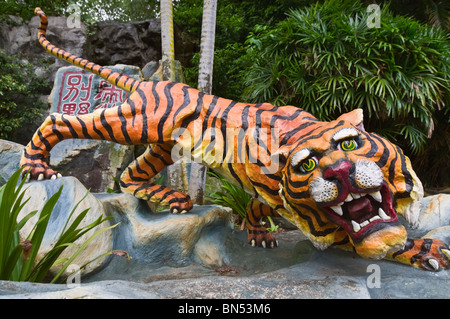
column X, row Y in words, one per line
column 200, row 255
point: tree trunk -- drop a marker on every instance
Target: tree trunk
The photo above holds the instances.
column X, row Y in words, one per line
column 177, row 177
column 198, row 172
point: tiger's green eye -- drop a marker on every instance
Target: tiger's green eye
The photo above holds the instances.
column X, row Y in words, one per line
column 309, row 165
column 348, row 145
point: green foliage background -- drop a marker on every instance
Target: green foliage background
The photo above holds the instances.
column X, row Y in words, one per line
column 20, row 89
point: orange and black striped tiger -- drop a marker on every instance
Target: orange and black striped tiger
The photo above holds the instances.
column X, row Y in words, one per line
column 339, row 184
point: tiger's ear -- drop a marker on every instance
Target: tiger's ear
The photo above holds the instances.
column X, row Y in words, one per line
column 355, row 117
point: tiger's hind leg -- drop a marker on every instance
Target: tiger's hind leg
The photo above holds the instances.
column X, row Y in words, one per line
column 113, row 124
column 258, row 235
column 136, row 178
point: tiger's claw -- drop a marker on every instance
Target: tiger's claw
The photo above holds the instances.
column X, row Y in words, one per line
column 433, row 263
column 265, row 240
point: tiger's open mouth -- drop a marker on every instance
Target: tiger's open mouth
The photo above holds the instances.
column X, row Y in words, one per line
column 362, row 213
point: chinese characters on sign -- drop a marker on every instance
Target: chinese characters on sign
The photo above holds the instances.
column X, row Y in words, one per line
column 79, row 96
column 78, row 92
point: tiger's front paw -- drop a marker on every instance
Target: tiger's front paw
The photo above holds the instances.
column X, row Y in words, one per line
column 434, row 255
column 180, row 203
column 261, row 238
column 38, row 170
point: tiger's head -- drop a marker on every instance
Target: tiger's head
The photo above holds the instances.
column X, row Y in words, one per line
column 340, row 177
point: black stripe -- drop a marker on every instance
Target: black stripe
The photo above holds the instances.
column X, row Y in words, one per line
column 44, row 140
column 179, row 200
column 34, row 147
column 344, row 241
column 256, row 232
column 295, row 131
column 126, row 185
column 299, row 184
column 223, row 126
column 392, row 170
column 386, row 154
column 38, row 156
column 123, row 127
column 166, row 114
column 242, row 132
column 310, row 137
column 235, row 176
column 186, row 101
column 144, row 133
column 408, row 246
column 158, row 156
column 155, row 96
column 133, row 114
column 135, row 178
column 118, row 79
column 151, row 166
column 138, row 168
column 424, row 249
column 211, row 107
column 266, row 188
column 192, row 117
column 153, row 193
column 298, row 195
column 314, row 232
column 99, row 133
column 277, row 117
column 409, row 183
column 166, row 195
column 69, row 126
column 107, row 127
column 84, row 128
column 374, row 146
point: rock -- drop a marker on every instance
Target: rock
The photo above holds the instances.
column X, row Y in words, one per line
column 199, row 255
column 10, row 154
column 135, row 43
column 97, row 164
column 72, row 193
column 22, row 39
column 435, row 212
column 149, row 238
column 323, row 274
column 153, row 238
column 76, row 91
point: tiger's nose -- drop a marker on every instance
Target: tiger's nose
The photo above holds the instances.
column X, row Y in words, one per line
column 341, row 172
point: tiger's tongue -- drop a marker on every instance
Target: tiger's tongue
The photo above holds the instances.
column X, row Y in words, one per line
column 359, row 209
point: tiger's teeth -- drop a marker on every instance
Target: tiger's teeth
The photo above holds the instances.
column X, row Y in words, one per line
column 377, row 196
column 349, row 198
column 364, row 223
column 356, row 196
column 382, row 214
column 337, row 209
column 356, row 227
column 374, row 218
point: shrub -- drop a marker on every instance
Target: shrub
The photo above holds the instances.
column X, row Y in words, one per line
column 20, row 89
column 18, row 259
column 326, row 60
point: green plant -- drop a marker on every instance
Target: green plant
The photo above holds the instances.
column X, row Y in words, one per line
column 273, row 227
column 327, row 60
column 234, row 197
column 229, row 196
column 18, row 259
column 20, row 89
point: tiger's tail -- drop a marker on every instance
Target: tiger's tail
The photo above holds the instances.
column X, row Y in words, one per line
column 118, row 79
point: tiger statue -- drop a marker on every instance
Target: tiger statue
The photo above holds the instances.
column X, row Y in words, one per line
column 340, row 185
